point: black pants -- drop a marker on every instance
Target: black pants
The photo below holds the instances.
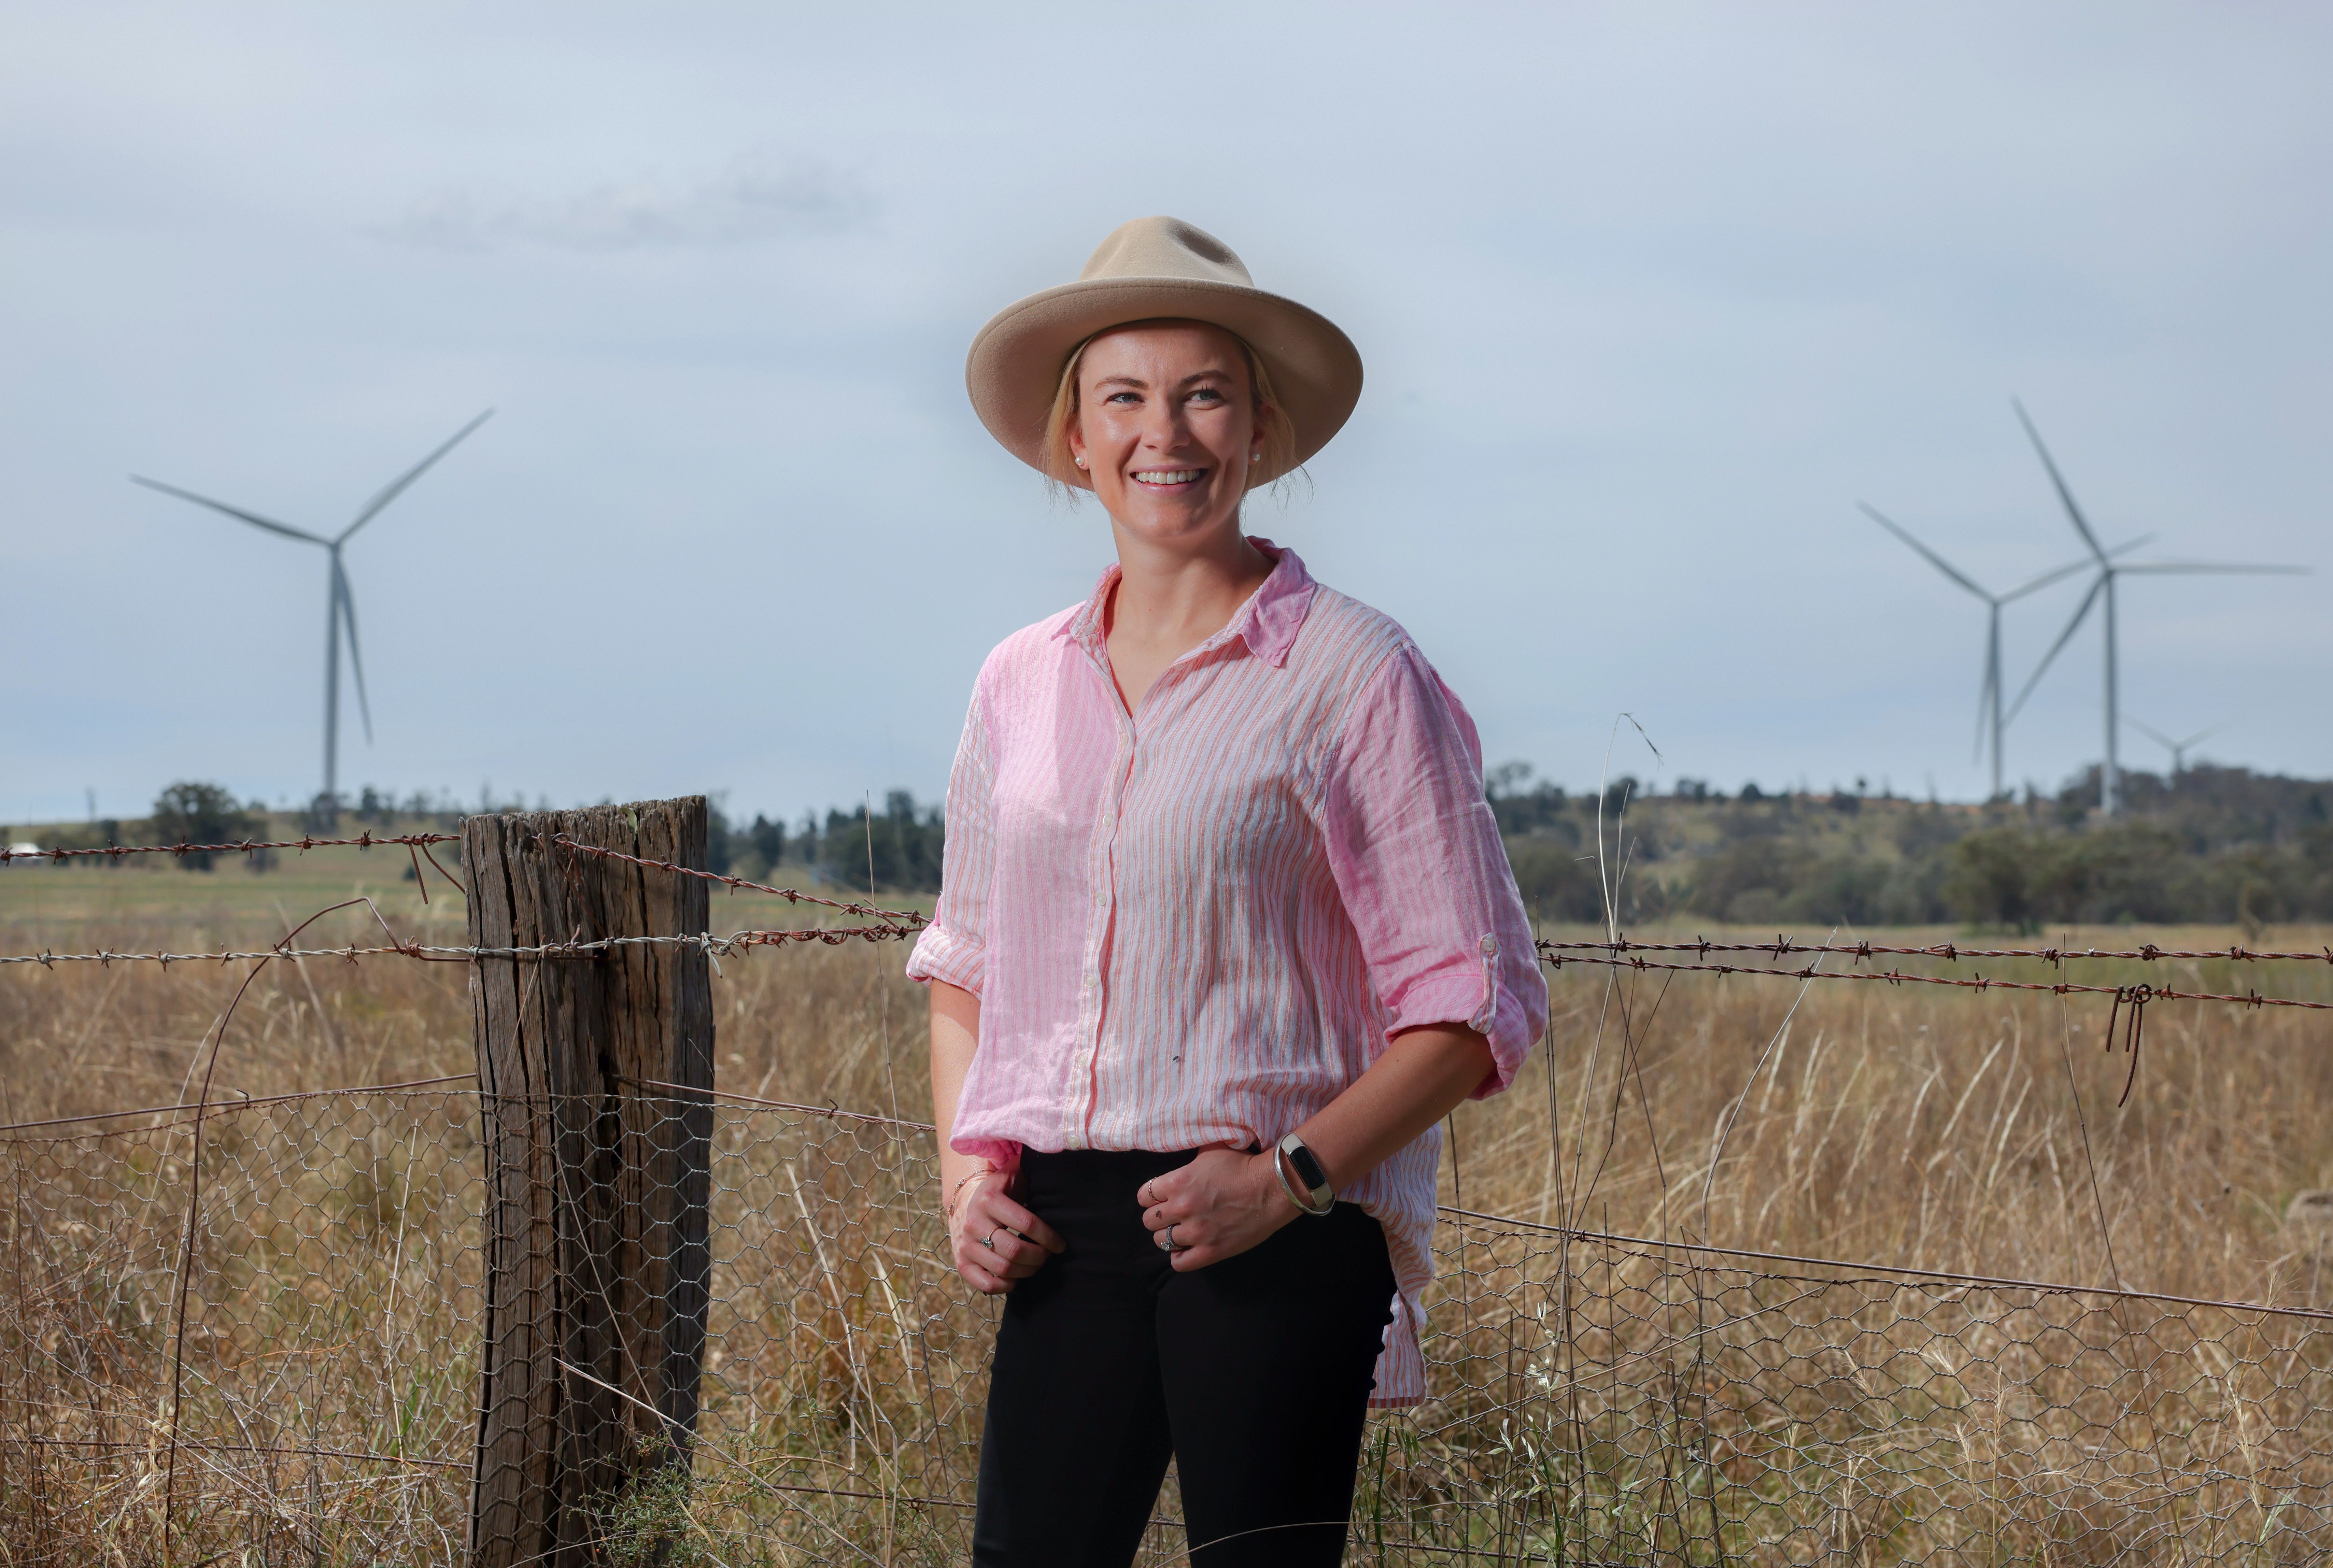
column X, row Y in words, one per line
column 1255, row 1373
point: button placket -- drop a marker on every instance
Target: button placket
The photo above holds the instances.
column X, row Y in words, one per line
column 1079, row 1108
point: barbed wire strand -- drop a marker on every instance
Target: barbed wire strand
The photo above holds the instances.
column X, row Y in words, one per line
column 2126, row 995
column 719, row 946
column 1951, row 953
column 913, row 920
column 245, row 846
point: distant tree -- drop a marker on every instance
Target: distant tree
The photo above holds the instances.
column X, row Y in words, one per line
column 769, row 839
column 901, row 846
column 194, row 812
column 1992, row 878
column 1521, row 806
column 720, row 842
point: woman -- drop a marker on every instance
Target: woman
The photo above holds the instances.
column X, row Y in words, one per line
column 1227, row 930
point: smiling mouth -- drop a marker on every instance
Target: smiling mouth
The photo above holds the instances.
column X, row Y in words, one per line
column 1166, row 478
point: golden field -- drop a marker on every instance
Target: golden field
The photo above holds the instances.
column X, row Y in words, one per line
column 1923, row 1127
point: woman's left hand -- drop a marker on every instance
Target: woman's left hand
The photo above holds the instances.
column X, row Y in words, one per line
column 1221, row 1204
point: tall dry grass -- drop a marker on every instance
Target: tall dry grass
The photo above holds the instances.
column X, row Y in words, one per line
column 1936, row 1129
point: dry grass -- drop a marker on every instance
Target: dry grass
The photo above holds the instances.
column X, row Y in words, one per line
column 1935, row 1129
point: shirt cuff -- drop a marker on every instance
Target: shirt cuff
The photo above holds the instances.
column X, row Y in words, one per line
column 1476, row 1001
column 940, row 954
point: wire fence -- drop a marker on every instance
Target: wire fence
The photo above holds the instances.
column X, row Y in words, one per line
column 259, row 1329
column 278, row 1340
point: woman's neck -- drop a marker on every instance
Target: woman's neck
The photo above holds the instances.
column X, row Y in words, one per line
column 1172, row 596
column 1174, row 592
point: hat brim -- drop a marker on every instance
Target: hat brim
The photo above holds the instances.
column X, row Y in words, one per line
column 1015, row 364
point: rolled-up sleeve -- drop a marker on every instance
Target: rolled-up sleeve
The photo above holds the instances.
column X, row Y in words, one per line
column 1424, row 876
column 954, row 947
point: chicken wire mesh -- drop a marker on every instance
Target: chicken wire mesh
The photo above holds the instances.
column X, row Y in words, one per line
column 300, row 1380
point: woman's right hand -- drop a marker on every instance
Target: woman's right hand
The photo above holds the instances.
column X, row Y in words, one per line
column 996, row 1242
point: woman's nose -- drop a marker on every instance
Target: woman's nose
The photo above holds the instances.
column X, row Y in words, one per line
column 1164, row 427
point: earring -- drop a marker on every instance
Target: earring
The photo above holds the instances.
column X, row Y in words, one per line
column 1256, row 457
column 1080, row 462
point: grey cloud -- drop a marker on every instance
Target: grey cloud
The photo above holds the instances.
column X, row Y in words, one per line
column 758, row 198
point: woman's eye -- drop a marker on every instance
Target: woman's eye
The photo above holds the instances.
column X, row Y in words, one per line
column 1121, row 398
column 1207, row 395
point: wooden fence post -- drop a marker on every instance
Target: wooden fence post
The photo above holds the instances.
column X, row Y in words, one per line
column 597, row 1187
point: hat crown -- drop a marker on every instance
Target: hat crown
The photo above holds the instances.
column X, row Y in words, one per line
column 1165, row 247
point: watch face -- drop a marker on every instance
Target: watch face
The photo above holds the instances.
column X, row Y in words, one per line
column 1308, row 1169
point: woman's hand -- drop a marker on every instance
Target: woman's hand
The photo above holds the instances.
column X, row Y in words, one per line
column 994, row 1241
column 1221, row 1204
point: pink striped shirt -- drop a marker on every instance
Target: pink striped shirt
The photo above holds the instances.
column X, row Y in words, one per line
column 1198, row 923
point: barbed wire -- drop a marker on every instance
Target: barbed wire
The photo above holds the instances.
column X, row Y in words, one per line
column 717, row 946
column 912, row 919
column 245, row 846
column 2139, row 995
column 1951, row 953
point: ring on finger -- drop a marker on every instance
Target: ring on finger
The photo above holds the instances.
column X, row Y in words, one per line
column 989, row 1241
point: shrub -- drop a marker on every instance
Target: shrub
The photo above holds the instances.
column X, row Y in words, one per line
column 193, row 812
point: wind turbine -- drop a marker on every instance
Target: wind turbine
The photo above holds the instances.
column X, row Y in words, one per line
column 340, row 606
column 1989, row 714
column 2178, row 749
column 2103, row 586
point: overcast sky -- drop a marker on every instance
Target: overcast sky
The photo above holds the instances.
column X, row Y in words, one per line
column 1649, row 297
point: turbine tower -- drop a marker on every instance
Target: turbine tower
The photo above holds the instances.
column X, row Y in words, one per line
column 2178, row 749
column 2103, row 586
column 340, row 604
column 1989, row 715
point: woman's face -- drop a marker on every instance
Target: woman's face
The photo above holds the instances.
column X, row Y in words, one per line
column 1166, row 426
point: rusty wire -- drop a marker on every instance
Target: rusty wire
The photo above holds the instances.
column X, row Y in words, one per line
column 245, row 846
column 1951, row 953
column 2139, row 995
column 719, row 946
column 908, row 918
column 1554, row 954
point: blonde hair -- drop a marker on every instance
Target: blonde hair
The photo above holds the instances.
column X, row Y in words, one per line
column 1276, row 443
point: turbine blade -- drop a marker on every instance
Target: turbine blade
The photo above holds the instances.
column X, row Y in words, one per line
column 2059, row 480
column 252, row 517
column 2202, row 735
column 2151, row 732
column 2046, row 578
column 347, row 603
column 2211, row 568
column 1930, row 555
column 2081, row 613
column 396, row 486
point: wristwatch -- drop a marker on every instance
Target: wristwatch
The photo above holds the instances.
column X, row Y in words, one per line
column 1310, row 1191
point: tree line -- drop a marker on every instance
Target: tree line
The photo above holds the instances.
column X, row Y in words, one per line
column 2213, row 845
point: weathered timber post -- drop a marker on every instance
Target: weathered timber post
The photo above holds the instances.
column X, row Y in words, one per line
column 597, row 1185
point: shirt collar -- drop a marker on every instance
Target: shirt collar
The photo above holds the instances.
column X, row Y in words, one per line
column 1268, row 622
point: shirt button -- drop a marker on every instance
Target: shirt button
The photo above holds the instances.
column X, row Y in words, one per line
column 1490, row 945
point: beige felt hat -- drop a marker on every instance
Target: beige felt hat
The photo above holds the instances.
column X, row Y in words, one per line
column 1148, row 269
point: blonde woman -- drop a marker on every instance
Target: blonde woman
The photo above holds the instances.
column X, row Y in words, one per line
column 1227, row 930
